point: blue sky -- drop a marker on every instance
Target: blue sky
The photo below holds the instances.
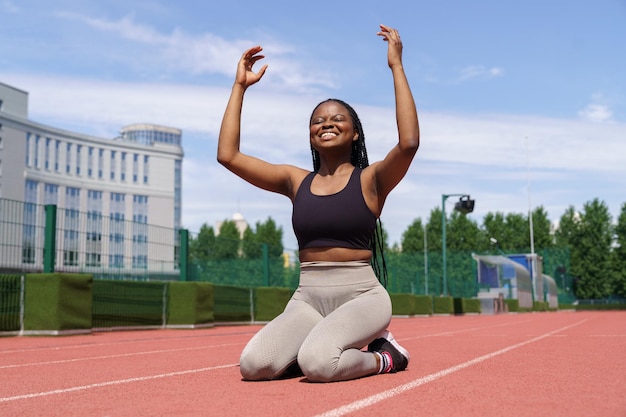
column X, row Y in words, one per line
column 521, row 104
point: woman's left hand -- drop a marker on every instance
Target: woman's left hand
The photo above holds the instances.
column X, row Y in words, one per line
column 394, row 51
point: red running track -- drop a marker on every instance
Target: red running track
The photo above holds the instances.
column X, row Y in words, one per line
column 533, row 364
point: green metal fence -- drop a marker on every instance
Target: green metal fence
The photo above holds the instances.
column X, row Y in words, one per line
column 36, row 238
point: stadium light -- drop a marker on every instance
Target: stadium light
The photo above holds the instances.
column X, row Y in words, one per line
column 464, row 205
column 495, row 242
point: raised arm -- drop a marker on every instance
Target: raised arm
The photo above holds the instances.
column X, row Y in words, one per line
column 392, row 169
column 271, row 177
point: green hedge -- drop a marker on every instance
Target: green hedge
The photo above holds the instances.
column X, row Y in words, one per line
column 411, row 304
column 190, row 304
column 466, row 305
column 269, row 302
column 120, row 304
column 601, row 307
column 57, row 303
column 443, row 305
column 232, row 304
column 512, row 303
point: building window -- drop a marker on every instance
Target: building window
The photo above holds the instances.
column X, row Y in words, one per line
column 47, row 154
column 51, row 194
column 116, row 236
column 30, row 191
column 112, row 165
column 57, row 152
column 29, row 222
column 78, row 155
column 37, row 142
column 93, row 244
column 100, row 163
column 140, row 231
column 72, row 226
column 135, row 168
column 145, row 169
column 123, row 167
column 68, row 158
column 90, row 162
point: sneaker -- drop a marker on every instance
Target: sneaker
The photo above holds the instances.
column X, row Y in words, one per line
column 386, row 345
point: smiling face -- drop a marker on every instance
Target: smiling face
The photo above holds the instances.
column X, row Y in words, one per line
column 332, row 126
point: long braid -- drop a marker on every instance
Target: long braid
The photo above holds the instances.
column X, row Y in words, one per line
column 358, row 158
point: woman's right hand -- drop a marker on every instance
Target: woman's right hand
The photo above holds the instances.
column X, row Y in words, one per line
column 245, row 76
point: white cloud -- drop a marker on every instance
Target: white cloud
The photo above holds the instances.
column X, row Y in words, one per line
column 596, row 113
column 210, row 54
column 480, row 71
column 490, row 157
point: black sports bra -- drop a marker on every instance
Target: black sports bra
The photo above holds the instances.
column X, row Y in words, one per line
column 337, row 220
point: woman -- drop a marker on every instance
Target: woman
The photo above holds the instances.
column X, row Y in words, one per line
column 339, row 306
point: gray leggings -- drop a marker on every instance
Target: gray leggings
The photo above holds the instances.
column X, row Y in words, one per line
column 338, row 308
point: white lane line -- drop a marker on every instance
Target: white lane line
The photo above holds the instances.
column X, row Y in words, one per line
column 90, row 345
column 109, row 383
column 465, row 330
column 119, row 355
column 449, row 333
column 385, row 395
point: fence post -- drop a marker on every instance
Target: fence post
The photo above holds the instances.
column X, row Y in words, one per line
column 49, row 245
column 184, row 254
column 266, row 265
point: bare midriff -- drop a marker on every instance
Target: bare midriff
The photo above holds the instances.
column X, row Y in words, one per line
column 334, row 254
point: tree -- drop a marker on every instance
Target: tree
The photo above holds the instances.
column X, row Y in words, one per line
column 250, row 247
column 200, row 248
column 619, row 254
column 268, row 233
column 264, row 234
column 568, row 229
column 518, row 233
column 494, row 227
column 512, row 231
column 542, row 229
column 591, row 252
column 413, row 237
column 434, row 230
column 227, row 242
column 463, row 233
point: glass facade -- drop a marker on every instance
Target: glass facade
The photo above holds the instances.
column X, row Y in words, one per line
column 116, row 236
column 152, row 134
column 51, row 194
column 140, row 231
column 93, row 245
column 29, row 230
column 71, row 226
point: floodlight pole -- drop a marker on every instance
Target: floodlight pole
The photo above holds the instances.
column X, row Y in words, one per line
column 444, row 197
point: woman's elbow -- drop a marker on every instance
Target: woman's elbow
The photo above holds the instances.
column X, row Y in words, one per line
column 225, row 158
column 411, row 144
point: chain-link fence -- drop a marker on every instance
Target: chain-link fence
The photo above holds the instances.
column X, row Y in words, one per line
column 35, row 238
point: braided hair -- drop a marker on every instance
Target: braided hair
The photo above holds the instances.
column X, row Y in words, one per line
column 358, row 158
